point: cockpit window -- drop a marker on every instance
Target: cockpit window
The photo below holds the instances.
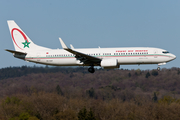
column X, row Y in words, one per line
column 165, row 52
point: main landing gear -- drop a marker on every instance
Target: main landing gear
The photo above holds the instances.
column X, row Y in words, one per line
column 91, row 69
column 158, row 68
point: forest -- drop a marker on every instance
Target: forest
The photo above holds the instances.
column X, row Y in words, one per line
column 63, row 93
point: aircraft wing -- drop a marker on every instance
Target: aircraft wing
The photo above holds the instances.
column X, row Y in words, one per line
column 86, row 59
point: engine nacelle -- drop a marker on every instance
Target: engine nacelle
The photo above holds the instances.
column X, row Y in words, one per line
column 109, row 63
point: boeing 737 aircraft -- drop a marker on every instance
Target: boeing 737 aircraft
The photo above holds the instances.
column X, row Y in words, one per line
column 104, row 57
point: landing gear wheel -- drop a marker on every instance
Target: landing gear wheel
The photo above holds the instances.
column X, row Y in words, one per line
column 91, row 70
column 158, row 68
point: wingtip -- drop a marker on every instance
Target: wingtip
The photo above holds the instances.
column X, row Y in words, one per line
column 71, row 46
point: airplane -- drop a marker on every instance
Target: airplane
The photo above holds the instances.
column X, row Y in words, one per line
column 107, row 58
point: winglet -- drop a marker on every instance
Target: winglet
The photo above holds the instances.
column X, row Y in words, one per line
column 71, row 46
column 63, row 44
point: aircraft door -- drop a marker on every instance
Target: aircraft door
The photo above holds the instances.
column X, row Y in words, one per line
column 155, row 54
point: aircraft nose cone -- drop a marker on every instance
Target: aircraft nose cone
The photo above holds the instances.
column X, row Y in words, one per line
column 173, row 56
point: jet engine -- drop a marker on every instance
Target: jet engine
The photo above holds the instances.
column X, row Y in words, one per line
column 109, row 63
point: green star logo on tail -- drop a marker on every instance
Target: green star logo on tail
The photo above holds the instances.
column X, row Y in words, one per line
column 26, row 44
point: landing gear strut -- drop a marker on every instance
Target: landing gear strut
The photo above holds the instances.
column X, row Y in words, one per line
column 158, row 68
column 91, row 69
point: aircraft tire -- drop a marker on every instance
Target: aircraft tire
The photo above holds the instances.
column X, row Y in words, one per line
column 158, row 68
column 91, row 70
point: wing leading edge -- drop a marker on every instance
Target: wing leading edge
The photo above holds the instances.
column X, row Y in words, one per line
column 86, row 59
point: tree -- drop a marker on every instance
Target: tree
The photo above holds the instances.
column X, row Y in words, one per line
column 58, row 90
column 138, row 72
column 90, row 115
column 147, row 74
column 91, row 92
column 129, row 74
column 154, row 73
column 82, row 114
column 155, row 98
column 178, row 72
column 167, row 100
column 85, row 115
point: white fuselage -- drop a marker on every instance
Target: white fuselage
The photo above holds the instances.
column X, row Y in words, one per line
column 107, row 58
column 124, row 56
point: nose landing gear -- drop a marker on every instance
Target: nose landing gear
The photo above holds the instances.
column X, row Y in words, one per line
column 91, row 69
column 160, row 64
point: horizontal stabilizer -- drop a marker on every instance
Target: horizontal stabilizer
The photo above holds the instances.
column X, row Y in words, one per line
column 16, row 52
